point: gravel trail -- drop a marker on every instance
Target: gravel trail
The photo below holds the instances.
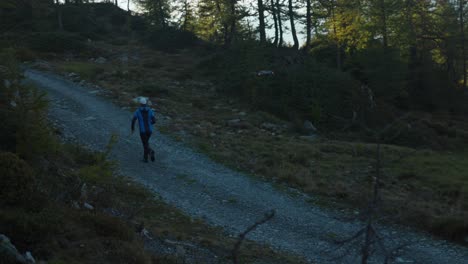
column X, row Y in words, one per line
column 221, row 196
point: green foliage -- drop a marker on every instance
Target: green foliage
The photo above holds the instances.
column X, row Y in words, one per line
column 22, row 110
column 301, row 88
column 171, row 39
column 56, row 42
column 86, row 70
column 101, row 170
column 151, row 90
column 382, row 70
column 107, row 226
column 17, row 178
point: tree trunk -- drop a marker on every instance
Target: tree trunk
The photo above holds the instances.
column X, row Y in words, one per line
column 337, row 42
column 261, row 21
column 117, row 2
column 293, row 26
column 280, row 23
column 462, row 39
column 308, row 24
column 233, row 21
column 186, row 10
column 383, row 17
column 225, row 24
column 59, row 15
column 161, row 14
column 275, row 20
column 128, row 6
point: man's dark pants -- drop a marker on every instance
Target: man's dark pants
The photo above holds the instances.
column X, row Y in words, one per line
column 145, row 141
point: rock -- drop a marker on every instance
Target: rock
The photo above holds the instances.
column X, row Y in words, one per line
column 233, row 122
column 84, row 192
column 265, row 73
column 29, row 258
column 75, row 205
column 311, row 137
column 90, row 118
column 180, row 251
column 42, row 65
column 8, row 251
column 238, row 124
column 269, row 126
column 100, row 60
column 88, row 206
column 145, row 233
column 402, row 260
column 242, row 113
column 73, row 75
column 82, row 82
column 124, row 58
column 309, row 127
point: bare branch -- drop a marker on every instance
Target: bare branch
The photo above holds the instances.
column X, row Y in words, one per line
column 235, row 252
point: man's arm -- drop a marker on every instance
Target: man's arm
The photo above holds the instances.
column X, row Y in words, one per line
column 153, row 118
column 133, row 122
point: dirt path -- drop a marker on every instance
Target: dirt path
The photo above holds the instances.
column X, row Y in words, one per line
column 204, row 189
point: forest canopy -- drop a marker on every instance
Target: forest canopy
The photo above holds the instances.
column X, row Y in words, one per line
column 402, row 55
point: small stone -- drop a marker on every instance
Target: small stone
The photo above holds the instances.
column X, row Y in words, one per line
column 90, row 118
column 402, row 260
column 75, row 205
column 88, row 206
column 29, row 258
column 309, row 127
column 242, row 113
column 101, row 60
column 269, row 126
column 180, row 251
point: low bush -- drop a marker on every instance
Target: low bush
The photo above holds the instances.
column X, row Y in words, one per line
column 171, row 39
column 85, row 70
column 56, row 42
column 151, row 90
column 300, row 87
column 17, row 179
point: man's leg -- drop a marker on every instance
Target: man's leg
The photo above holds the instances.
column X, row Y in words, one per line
column 150, row 150
column 144, row 141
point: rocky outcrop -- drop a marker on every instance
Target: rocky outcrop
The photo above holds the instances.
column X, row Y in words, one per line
column 9, row 253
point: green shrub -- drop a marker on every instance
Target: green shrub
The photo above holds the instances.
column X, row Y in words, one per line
column 86, row 70
column 17, row 179
column 300, row 88
column 107, row 226
column 56, row 42
column 151, row 90
column 171, row 39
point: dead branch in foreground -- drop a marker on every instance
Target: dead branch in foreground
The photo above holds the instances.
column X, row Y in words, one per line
column 235, row 251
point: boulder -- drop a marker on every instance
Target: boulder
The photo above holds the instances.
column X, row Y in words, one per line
column 238, row 124
column 9, row 253
column 101, row 60
column 88, row 206
column 269, row 126
column 309, row 128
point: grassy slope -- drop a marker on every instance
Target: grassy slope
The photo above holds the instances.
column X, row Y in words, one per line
column 60, row 230
column 423, row 188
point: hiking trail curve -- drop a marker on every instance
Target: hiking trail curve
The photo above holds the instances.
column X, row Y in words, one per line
column 204, row 189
